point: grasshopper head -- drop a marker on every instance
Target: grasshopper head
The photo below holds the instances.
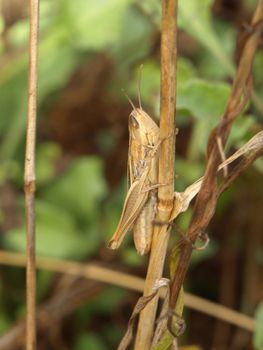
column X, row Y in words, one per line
column 142, row 128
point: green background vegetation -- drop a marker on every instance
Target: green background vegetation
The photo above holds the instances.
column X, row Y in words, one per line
column 90, row 50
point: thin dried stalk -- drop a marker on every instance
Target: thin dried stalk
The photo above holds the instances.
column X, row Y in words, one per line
column 166, row 169
column 52, row 312
column 111, row 276
column 209, row 192
column 29, row 176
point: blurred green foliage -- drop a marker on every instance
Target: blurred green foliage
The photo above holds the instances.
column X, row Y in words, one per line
column 76, row 210
column 258, row 335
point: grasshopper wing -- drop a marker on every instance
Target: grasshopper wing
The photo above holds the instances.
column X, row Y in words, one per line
column 134, row 202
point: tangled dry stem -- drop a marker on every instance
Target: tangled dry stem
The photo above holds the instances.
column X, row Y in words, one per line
column 210, row 191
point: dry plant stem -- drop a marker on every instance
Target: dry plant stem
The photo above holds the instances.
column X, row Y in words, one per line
column 29, row 177
column 166, row 169
column 51, row 313
column 102, row 274
column 209, row 193
column 63, row 304
column 121, row 279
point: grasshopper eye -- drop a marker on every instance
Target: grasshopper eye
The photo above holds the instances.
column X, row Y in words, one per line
column 134, row 122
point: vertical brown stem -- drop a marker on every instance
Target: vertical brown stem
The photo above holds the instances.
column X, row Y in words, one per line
column 29, row 176
column 166, row 169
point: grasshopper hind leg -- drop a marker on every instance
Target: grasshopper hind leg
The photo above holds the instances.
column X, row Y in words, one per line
column 143, row 227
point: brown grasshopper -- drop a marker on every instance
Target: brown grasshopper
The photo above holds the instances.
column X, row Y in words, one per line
column 139, row 206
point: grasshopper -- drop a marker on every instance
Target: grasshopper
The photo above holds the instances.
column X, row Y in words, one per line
column 139, row 206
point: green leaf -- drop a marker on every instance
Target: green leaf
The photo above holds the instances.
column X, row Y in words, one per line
column 95, row 25
column 258, row 334
column 55, row 67
column 89, row 341
column 185, row 71
column 184, row 219
column 241, row 130
column 150, row 82
column 127, row 49
column 56, row 233
column 13, row 89
column 152, row 9
column 80, row 189
column 56, row 63
column 205, row 100
column 18, row 33
column 150, row 85
column 13, row 120
column 195, row 18
column 113, row 207
column 210, row 67
column 47, row 154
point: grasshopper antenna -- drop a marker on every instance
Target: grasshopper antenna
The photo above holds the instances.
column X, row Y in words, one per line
column 139, row 86
column 128, row 98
